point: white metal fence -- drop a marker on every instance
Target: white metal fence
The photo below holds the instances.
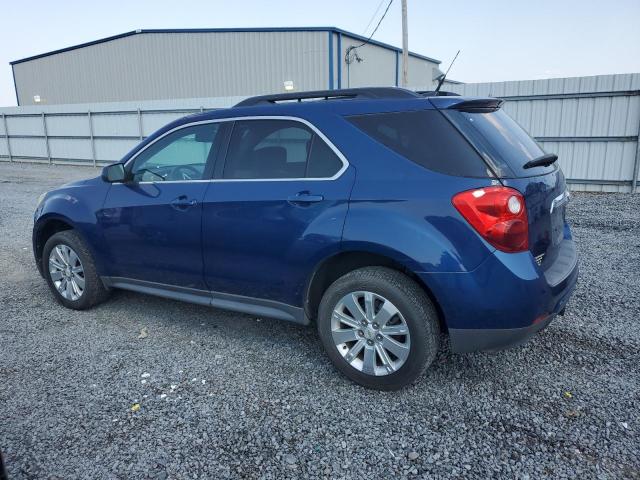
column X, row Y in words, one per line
column 592, row 123
column 94, row 134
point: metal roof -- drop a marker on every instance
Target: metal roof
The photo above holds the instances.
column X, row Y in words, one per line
column 223, row 30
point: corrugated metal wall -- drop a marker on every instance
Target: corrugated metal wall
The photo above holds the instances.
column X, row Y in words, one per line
column 592, row 123
column 177, row 65
column 421, row 74
column 380, row 67
column 168, row 65
column 377, row 68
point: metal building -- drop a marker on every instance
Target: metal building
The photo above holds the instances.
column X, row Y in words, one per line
column 195, row 63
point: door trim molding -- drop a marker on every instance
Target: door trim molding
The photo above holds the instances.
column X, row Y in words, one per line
column 226, row 301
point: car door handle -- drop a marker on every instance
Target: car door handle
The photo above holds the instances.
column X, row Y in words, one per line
column 302, row 198
column 183, row 203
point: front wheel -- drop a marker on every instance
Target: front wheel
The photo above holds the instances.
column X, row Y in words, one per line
column 378, row 327
column 71, row 272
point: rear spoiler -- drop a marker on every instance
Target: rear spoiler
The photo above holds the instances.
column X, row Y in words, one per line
column 433, row 93
column 477, row 105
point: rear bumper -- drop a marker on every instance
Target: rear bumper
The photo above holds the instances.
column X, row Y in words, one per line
column 464, row 340
column 504, row 301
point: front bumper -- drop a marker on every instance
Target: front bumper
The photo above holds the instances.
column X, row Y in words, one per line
column 504, row 301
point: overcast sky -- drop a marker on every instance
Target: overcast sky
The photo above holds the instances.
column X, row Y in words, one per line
column 499, row 39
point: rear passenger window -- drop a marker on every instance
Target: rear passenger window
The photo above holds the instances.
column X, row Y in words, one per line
column 323, row 162
column 276, row 149
column 426, row 138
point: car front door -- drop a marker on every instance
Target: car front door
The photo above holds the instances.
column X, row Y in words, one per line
column 152, row 222
column 276, row 206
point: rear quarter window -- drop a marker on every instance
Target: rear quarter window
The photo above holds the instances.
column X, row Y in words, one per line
column 425, row 137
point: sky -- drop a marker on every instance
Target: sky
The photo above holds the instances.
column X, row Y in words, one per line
column 499, row 39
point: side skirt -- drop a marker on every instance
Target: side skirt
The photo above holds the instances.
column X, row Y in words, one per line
column 225, row 301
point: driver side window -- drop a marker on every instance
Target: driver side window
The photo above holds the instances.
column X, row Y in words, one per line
column 181, row 155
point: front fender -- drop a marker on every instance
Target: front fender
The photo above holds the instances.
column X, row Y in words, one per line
column 40, row 225
column 75, row 205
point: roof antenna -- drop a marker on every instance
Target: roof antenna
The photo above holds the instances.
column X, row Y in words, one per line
column 444, row 75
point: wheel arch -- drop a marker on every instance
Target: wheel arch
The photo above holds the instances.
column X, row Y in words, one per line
column 343, row 262
column 44, row 229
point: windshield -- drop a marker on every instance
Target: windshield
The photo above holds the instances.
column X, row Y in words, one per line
column 500, row 138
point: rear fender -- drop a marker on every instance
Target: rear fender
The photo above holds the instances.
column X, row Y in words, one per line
column 425, row 236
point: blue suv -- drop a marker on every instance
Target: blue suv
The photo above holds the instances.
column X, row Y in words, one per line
column 381, row 215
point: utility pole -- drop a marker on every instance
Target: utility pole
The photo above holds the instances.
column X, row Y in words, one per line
column 405, row 46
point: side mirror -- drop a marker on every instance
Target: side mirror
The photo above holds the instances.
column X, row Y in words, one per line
column 114, row 173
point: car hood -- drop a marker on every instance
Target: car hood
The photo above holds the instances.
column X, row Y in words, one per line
column 79, row 183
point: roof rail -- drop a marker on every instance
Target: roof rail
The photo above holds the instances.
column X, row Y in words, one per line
column 340, row 94
column 440, row 93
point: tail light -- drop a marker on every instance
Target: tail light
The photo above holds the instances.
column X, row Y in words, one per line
column 498, row 214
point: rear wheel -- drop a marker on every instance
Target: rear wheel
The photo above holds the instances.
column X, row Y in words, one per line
column 378, row 327
column 71, row 272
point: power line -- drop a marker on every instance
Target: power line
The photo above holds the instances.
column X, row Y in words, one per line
column 375, row 14
column 375, row 29
column 347, row 55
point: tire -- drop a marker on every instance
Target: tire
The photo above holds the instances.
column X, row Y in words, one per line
column 415, row 313
column 93, row 290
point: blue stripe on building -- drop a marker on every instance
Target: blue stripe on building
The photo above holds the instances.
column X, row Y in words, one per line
column 339, row 63
column 330, row 60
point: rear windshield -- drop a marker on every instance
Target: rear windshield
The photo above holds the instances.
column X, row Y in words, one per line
column 505, row 143
column 426, row 138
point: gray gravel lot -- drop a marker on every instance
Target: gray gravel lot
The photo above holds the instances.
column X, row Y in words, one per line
column 229, row 395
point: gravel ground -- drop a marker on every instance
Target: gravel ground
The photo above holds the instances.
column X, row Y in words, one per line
column 228, row 395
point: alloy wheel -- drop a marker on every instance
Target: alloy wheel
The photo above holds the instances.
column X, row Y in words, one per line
column 66, row 272
column 370, row 333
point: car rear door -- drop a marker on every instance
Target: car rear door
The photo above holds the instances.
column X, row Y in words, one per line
column 276, row 206
column 152, row 223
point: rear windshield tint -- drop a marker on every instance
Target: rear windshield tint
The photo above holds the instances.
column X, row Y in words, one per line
column 500, row 138
column 426, row 138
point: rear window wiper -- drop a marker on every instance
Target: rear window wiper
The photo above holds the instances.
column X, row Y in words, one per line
column 541, row 161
